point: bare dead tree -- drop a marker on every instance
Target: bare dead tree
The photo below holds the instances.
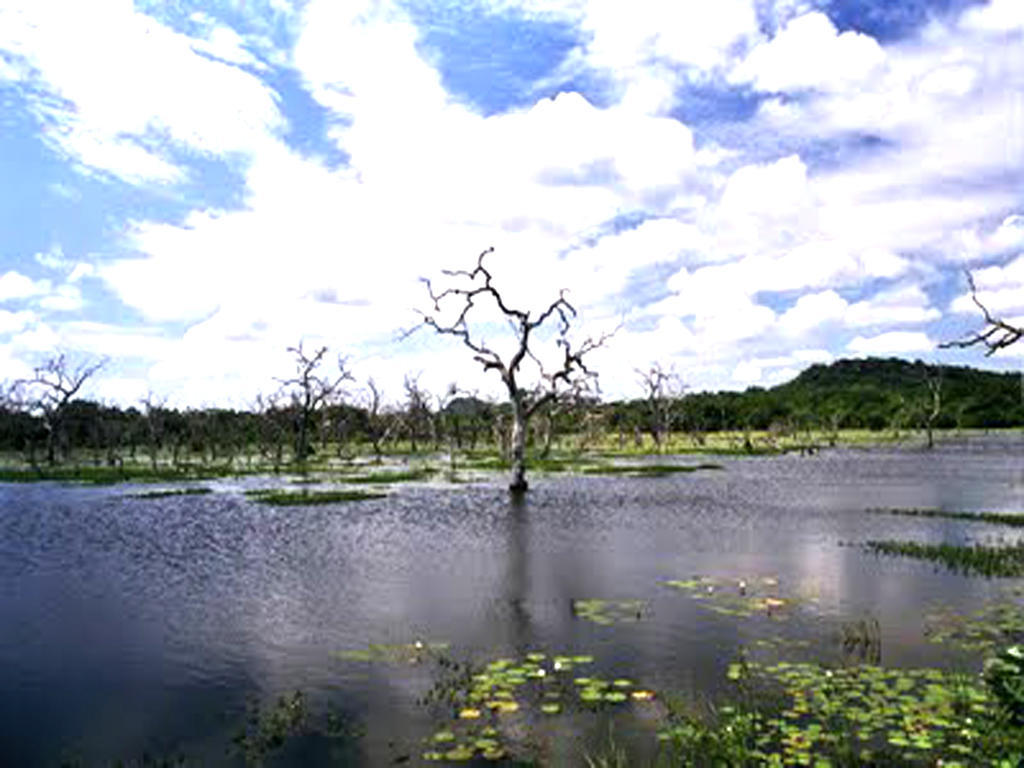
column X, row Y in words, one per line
column 418, row 419
column 933, row 380
column 51, row 389
column 997, row 334
column 471, row 286
column 271, row 428
column 309, row 390
column 153, row 412
column 379, row 423
column 662, row 387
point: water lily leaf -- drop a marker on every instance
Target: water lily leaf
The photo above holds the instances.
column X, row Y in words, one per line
column 552, row 708
column 459, row 753
column 469, row 713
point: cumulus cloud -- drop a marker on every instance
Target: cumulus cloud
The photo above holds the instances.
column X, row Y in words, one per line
column 809, row 53
column 12, row 322
column 891, row 343
column 14, row 285
column 119, row 85
column 1000, row 288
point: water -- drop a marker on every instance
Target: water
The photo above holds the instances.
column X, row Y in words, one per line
column 144, row 626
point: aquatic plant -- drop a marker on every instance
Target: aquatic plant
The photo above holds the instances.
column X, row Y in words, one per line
column 1015, row 519
column 480, row 699
column 608, row 612
column 168, row 492
column 970, row 559
column 648, row 470
column 1004, row 674
column 395, row 653
column 996, row 624
column 267, row 730
column 393, row 476
column 284, row 498
column 804, row 714
column 740, row 597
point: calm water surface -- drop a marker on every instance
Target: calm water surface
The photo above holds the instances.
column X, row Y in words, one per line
column 132, row 627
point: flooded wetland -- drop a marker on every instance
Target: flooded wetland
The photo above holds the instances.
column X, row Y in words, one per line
column 599, row 619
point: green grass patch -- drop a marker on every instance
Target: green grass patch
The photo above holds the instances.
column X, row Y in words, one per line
column 282, row 498
column 163, row 493
column 110, row 475
column 648, row 470
column 386, row 476
column 1001, row 518
column 973, row 559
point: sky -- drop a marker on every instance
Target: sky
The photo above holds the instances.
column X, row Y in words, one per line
column 742, row 188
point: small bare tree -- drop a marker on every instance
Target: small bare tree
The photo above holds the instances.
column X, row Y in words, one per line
column 309, row 390
column 379, row 422
column 997, row 334
column 153, row 411
column 470, row 286
column 272, row 428
column 51, row 389
column 419, row 422
column 932, row 409
column 662, row 387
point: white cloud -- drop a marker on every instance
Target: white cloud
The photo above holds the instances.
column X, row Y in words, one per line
column 891, row 343
column 810, row 53
column 124, row 84
column 995, row 16
column 812, row 311
column 13, row 322
column 1008, row 235
column 65, row 298
column 1000, row 289
column 900, row 306
column 14, row 285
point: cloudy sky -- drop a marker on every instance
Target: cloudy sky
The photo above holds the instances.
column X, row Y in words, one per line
column 745, row 186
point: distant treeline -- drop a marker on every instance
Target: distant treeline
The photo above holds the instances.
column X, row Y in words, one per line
column 873, row 394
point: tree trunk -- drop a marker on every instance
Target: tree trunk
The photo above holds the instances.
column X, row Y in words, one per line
column 518, row 482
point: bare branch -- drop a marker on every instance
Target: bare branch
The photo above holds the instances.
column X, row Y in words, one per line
column 997, row 334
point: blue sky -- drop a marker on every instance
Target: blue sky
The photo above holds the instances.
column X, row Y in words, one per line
column 746, row 186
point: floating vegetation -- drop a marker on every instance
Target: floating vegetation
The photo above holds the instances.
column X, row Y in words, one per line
column 393, row 476
column 167, row 492
column 608, row 612
column 486, row 699
column 1015, row 519
column 398, row 653
column 285, row 498
column 267, row 731
column 996, row 624
column 647, row 470
column 1004, row 674
column 971, row 559
column 738, row 596
column 804, row 714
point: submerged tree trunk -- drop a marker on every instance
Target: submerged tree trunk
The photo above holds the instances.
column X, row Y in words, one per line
column 518, row 482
